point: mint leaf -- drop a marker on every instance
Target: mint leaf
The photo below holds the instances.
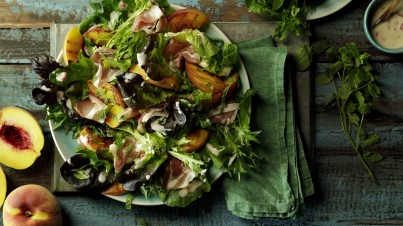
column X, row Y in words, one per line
column 372, row 157
column 303, row 57
column 355, row 87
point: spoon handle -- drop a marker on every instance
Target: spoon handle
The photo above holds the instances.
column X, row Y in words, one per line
column 385, row 15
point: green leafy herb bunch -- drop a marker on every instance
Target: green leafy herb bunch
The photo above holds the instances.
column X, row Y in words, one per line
column 355, row 86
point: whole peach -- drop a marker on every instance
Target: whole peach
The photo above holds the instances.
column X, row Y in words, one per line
column 31, row 205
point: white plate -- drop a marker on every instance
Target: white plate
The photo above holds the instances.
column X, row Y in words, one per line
column 66, row 145
column 326, row 8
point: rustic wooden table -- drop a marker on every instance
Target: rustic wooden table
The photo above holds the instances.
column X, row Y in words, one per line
column 344, row 193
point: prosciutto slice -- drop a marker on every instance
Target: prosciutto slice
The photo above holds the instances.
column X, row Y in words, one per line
column 224, row 115
column 90, row 108
column 103, row 75
column 173, row 47
column 151, row 21
column 127, row 154
column 177, row 175
column 187, row 53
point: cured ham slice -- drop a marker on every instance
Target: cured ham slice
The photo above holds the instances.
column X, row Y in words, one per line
column 187, row 53
column 90, row 108
column 151, row 21
column 125, row 155
column 103, row 74
column 177, row 174
column 173, row 47
column 226, row 115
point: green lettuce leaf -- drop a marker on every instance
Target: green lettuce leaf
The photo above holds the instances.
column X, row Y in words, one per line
column 82, row 70
column 173, row 197
column 215, row 55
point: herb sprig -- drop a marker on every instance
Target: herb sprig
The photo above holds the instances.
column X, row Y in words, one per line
column 355, row 86
column 291, row 15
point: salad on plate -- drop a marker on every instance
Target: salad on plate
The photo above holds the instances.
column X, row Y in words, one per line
column 154, row 103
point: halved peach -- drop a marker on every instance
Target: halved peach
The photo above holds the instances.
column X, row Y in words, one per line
column 204, row 80
column 187, row 19
column 3, row 186
column 21, row 138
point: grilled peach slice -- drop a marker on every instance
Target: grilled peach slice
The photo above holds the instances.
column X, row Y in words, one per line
column 92, row 141
column 98, row 35
column 109, row 94
column 232, row 82
column 166, row 83
column 187, row 19
column 115, row 189
column 73, row 43
column 204, row 80
column 112, row 118
column 197, row 139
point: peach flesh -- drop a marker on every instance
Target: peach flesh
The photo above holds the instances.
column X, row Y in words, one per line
column 21, row 138
column 16, row 137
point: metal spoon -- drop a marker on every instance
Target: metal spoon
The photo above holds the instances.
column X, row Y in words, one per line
column 385, row 15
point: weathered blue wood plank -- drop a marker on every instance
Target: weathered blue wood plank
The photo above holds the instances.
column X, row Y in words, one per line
column 344, row 196
column 16, row 84
column 20, row 46
column 386, row 118
column 31, row 13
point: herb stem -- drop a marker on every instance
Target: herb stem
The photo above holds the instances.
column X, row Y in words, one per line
column 346, row 129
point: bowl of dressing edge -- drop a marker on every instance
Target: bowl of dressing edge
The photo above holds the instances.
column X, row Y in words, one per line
column 387, row 36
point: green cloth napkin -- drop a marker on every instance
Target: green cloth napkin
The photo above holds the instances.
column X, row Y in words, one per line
column 277, row 186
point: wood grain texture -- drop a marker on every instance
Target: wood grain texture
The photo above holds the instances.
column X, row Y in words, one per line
column 16, row 84
column 40, row 14
column 20, row 46
column 344, row 196
column 344, row 193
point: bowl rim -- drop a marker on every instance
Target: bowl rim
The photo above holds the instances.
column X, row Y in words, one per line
column 367, row 28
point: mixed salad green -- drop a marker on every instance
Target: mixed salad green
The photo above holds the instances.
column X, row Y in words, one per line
column 153, row 111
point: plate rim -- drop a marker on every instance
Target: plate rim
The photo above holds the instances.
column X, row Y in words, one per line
column 326, row 11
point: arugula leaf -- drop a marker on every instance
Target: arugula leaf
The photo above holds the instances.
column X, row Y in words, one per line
column 127, row 44
column 100, row 14
column 57, row 115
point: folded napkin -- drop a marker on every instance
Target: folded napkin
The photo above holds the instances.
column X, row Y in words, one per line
column 277, row 186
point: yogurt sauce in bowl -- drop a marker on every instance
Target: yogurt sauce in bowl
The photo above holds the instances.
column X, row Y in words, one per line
column 389, row 34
